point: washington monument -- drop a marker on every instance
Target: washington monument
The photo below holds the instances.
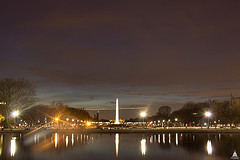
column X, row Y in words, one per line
column 117, row 112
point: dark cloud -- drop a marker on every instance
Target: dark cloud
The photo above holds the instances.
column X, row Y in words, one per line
column 89, row 53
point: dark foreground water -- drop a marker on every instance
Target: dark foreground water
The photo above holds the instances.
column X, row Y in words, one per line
column 60, row 146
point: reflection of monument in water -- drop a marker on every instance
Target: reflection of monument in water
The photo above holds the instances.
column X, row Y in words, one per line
column 116, row 143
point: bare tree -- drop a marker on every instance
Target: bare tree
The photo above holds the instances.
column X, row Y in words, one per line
column 58, row 109
column 15, row 95
column 163, row 112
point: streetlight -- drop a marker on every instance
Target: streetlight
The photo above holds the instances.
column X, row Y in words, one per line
column 143, row 114
column 88, row 123
column 163, row 123
column 176, row 119
column 208, row 114
column 15, row 114
column 56, row 119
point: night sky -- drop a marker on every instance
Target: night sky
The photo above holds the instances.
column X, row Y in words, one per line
column 147, row 53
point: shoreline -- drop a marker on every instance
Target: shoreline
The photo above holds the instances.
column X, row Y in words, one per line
column 190, row 130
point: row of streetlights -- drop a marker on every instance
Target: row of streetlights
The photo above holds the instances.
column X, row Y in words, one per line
column 207, row 114
column 142, row 114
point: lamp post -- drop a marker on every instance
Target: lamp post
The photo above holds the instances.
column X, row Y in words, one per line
column 176, row 119
column 163, row 124
column 56, row 119
column 143, row 114
column 15, row 114
column 208, row 114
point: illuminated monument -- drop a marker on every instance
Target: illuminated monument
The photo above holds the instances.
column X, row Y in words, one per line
column 117, row 113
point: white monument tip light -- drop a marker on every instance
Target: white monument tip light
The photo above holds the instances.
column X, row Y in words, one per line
column 117, row 113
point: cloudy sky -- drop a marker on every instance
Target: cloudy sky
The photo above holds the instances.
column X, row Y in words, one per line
column 147, row 53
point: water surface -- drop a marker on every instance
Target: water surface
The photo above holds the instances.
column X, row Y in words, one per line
column 164, row 146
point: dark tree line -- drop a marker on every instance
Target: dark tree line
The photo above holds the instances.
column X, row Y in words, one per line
column 191, row 112
column 226, row 112
column 163, row 113
column 45, row 113
column 19, row 95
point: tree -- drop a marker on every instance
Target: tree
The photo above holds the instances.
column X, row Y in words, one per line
column 36, row 115
column 16, row 95
column 224, row 112
column 164, row 110
column 40, row 114
column 163, row 113
column 58, row 109
column 191, row 112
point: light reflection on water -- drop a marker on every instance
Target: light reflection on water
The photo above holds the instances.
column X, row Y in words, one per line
column 117, row 143
column 163, row 138
column 13, row 146
column 176, row 139
column 35, row 139
column 72, row 139
column 66, row 141
column 169, row 138
column 151, row 146
column 56, row 140
column 209, row 147
column 143, row 147
column 151, row 139
column 1, row 144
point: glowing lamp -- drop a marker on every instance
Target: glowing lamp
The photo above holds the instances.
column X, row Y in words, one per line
column 143, row 114
column 208, row 114
column 15, row 114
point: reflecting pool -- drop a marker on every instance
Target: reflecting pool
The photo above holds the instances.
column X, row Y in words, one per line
column 163, row 146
